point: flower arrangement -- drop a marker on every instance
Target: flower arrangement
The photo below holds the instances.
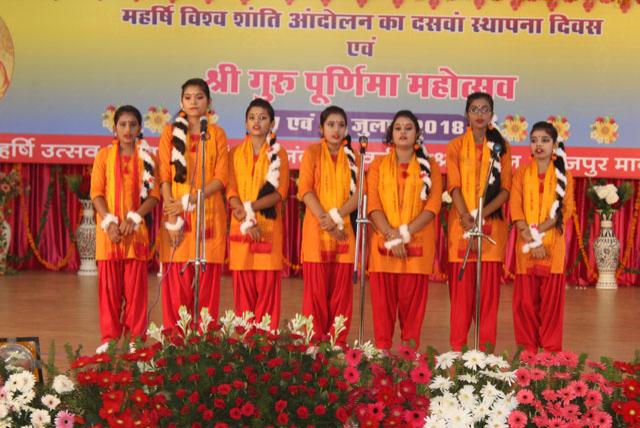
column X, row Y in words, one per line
column 80, row 184
column 156, row 118
column 514, row 128
column 607, row 198
column 107, row 117
column 9, row 187
column 604, row 130
column 562, row 125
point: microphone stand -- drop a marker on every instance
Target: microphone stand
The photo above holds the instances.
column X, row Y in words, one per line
column 361, row 235
column 199, row 261
column 476, row 233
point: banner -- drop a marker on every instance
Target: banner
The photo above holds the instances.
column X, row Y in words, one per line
column 66, row 66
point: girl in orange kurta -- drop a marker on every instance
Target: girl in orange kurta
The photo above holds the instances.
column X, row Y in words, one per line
column 123, row 190
column 180, row 176
column 404, row 189
column 258, row 183
column 468, row 160
column 541, row 203
column 328, row 186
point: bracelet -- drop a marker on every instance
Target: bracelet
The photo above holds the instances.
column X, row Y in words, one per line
column 135, row 217
column 107, row 220
column 337, row 218
column 537, row 239
column 186, row 205
column 404, row 233
column 249, row 220
column 392, row 243
column 173, row 227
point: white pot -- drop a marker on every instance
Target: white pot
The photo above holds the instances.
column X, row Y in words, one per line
column 86, row 240
column 5, row 241
column 607, row 250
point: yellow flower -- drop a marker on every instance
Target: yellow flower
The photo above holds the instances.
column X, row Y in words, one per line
column 514, row 128
column 156, row 118
column 604, row 130
column 562, row 126
column 107, row 117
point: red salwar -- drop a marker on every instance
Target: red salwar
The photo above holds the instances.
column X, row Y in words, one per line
column 401, row 294
column 122, row 298
column 462, row 295
column 328, row 292
column 258, row 291
column 538, row 311
column 177, row 290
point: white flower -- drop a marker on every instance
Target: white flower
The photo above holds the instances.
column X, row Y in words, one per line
column 446, row 360
column 155, row 333
column 474, row 359
column 468, row 378
column 441, row 383
column 339, row 323
column 205, row 320
column 62, row 384
column 461, row 418
column 40, row 418
column 608, row 192
column 434, row 422
column 489, row 391
column 51, row 401
column 495, row 423
column 22, row 400
column 497, row 361
column 185, row 320
column 4, row 412
column 368, row 349
column 446, row 197
column 480, row 411
column 467, row 398
column 265, row 323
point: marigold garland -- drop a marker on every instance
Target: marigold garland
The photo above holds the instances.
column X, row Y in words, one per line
column 591, row 275
column 630, row 237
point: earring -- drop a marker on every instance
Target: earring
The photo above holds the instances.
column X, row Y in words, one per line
column 416, row 147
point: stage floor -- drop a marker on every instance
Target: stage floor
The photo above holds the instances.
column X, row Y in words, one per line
column 63, row 307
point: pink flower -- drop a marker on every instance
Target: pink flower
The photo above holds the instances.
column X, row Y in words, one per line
column 603, row 420
column 567, row 394
column 421, row 375
column 517, row 419
column 406, row 353
column 549, row 395
column 570, row 411
column 524, row 396
column 351, row 374
column 523, row 377
column 64, row 419
column 537, row 374
column 579, row 387
column 528, row 358
column 545, row 359
column 562, row 375
column 593, row 398
column 353, row 357
column 568, row 359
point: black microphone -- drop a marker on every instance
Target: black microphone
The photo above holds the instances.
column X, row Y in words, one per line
column 364, row 142
column 203, row 126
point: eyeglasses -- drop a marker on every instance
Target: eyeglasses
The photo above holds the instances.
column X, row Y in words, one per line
column 481, row 110
column 260, row 118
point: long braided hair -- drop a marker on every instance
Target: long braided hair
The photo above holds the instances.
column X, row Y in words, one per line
column 560, row 164
column 181, row 129
column 348, row 150
column 493, row 137
column 420, row 149
column 273, row 173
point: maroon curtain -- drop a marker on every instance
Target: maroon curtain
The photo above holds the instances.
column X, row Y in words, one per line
column 54, row 241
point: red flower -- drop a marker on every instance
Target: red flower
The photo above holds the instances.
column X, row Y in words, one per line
column 105, row 379
column 631, row 412
column 319, row 410
column 224, row 389
column 194, row 397
column 139, row 397
column 235, row 413
column 333, row 371
column 283, row 419
column 414, row 417
column 211, row 371
column 342, row 415
column 219, row 403
column 421, row 375
column 351, row 374
column 523, row 377
column 88, row 377
column 176, row 377
column 407, row 389
column 631, row 388
column 181, row 393
column 302, row 412
column 221, row 425
column 194, row 377
column 238, row 384
column 248, row 409
column 275, row 362
column 280, row 406
column 151, row 378
column 81, row 362
column 101, row 358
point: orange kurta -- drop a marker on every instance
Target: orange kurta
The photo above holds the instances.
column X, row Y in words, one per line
column 240, row 255
column 496, row 228
column 309, row 181
column 381, row 260
column 217, row 168
column 524, row 262
column 135, row 245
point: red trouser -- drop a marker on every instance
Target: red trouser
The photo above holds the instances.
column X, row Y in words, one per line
column 538, row 311
column 463, row 302
column 328, row 292
column 122, row 298
column 258, row 291
column 177, row 290
column 404, row 294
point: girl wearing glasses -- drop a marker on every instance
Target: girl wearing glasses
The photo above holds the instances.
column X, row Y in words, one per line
column 258, row 183
column 541, row 202
column 328, row 187
column 468, row 159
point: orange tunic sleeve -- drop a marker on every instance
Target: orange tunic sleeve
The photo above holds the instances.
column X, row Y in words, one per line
column 283, row 188
column 164, row 155
column 221, row 172
column 373, row 176
column 99, row 175
column 434, row 200
column 453, row 164
column 516, row 205
column 506, row 174
column 232, row 187
column 155, row 191
column 307, row 170
column 569, row 204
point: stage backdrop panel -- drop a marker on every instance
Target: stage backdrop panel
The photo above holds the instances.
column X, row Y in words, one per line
column 65, row 66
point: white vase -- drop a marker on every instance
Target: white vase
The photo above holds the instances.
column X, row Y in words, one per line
column 607, row 250
column 86, row 240
column 5, row 241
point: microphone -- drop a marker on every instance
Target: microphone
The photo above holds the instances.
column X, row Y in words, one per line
column 203, row 126
column 364, row 142
column 497, row 148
